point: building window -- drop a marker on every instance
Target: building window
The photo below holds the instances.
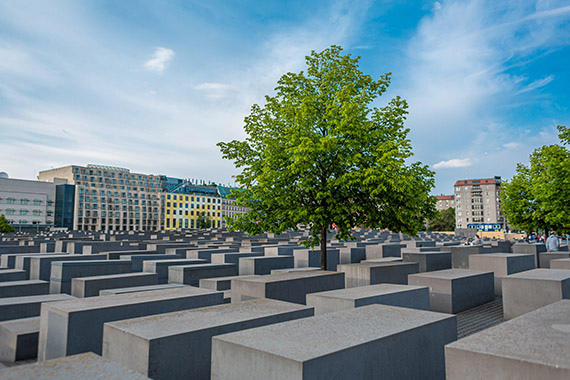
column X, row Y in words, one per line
column 36, row 212
column 37, row 202
column 10, row 201
column 23, row 212
column 24, row 201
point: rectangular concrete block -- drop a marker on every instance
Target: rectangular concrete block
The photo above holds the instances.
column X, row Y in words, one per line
column 76, row 326
column 19, row 339
column 12, row 275
column 138, row 260
column 219, row 283
column 135, row 289
column 371, row 273
column 304, row 258
column 84, row 366
column 456, row 290
column 460, row 255
column 414, row 297
column 379, row 251
column 191, row 274
column 501, row 264
column 91, row 286
column 23, row 288
column 27, row 306
column 428, row 261
column 527, row 291
column 62, row 272
column 264, row 264
column 289, row 287
column 546, row 257
column 160, row 267
column 351, row 255
column 560, row 264
column 533, row 346
column 40, row 266
column 232, row 258
column 178, row 345
column 363, row 343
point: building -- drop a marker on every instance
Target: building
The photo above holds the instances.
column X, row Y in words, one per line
column 444, row 202
column 478, row 204
column 229, row 208
column 186, row 201
column 28, row 205
column 107, row 198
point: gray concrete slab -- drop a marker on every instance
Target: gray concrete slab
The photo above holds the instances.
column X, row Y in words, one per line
column 289, row 287
column 219, row 283
column 160, row 267
column 545, row 258
column 135, row 289
column 304, row 258
column 76, row 326
column 428, row 261
column 27, row 306
column 533, row 346
column 62, row 272
column 23, row 288
column 232, row 258
column 264, row 264
column 527, row 291
column 192, row 274
column 84, row 366
column 82, row 287
column 40, row 266
column 371, row 273
column 560, row 264
column 501, row 264
column 138, row 260
column 365, row 343
column 178, row 345
column 12, row 275
column 19, row 339
column 455, row 290
column 415, row 297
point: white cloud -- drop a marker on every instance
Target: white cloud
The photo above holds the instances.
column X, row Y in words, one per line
column 453, row 163
column 160, row 58
column 512, row 145
column 537, row 84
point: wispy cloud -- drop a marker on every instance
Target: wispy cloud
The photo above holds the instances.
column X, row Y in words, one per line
column 537, row 84
column 160, row 59
column 453, row 163
column 511, row 145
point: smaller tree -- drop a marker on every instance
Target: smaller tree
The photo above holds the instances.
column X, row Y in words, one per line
column 444, row 220
column 203, row 221
column 5, row 226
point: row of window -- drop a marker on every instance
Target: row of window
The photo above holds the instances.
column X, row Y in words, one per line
column 24, row 201
column 117, row 214
column 11, row 211
column 191, row 198
column 25, row 221
column 102, row 173
column 115, row 187
column 187, row 223
column 114, row 194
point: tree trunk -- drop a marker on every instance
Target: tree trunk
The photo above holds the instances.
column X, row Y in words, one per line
column 323, row 248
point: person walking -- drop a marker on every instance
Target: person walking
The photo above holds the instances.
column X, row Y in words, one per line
column 552, row 243
column 477, row 241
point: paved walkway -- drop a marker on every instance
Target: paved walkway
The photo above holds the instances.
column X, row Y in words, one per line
column 480, row 318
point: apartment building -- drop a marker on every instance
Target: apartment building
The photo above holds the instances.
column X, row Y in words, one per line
column 28, row 205
column 110, row 198
column 229, row 208
column 444, row 202
column 478, row 204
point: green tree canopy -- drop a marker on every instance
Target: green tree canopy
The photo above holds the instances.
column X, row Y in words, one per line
column 5, row 226
column 317, row 153
column 444, row 220
column 203, row 221
column 538, row 195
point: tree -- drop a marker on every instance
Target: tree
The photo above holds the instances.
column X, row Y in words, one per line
column 538, row 195
column 317, row 153
column 5, row 226
column 444, row 220
column 203, row 221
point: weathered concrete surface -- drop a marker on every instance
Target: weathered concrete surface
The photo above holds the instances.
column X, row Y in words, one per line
column 91, row 286
column 533, row 346
column 13, row 275
column 76, row 326
column 501, row 264
column 138, row 260
column 84, row 366
column 527, row 291
column 383, row 250
column 546, row 257
column 289, row 287
column 371, row 273
column 219, row 283
column 370, row 342
column 415, row 297
column 19, row 339
column 27, row 306
column 560, row 264
column 455, row 290
column 178, row 345
column 304, row 258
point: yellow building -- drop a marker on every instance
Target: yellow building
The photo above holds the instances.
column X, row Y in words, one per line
column 183, row 210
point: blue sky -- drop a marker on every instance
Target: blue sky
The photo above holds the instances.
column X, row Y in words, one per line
column 154, row 85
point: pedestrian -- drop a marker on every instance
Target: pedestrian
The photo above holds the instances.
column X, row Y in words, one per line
column 477, row 241
column 552, row 243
